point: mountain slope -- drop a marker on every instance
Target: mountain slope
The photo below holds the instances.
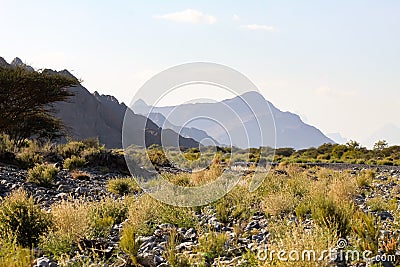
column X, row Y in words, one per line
column 188, row 132
column 93, row 115
column 102, row 116
column 238, row 116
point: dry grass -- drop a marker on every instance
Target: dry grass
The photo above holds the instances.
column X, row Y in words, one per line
column 287, row 236
column 280, row 203
column 196, row 178
column 12, row 255
column 71, row 219
column 80, row 175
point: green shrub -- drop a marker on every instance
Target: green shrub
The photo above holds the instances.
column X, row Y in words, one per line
column 366, row 229
column 12, row 255
column 29, row 158
column 72, row 148
column 251, row 259
column 74, row 163
column 212, row 245
column 360, row 161
column 237, row 204
column 377, row 204
column 387, row 162
column 21, row 220
column 128, row 242
column 57, row 246
column 157, row 156
column 364, row 179
column 302, row 210
column 335, row 216
column 42, row 174
column 192, row 154
column 123, row 186
column 145, row 213
column 104, row 214
column 116, row 209
column 325, row 156
column 100, row 226
column 179, row 216
column 170, row 254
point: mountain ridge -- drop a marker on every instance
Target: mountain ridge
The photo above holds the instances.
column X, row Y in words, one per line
column 291, row 131
column 89, row 115
column 94, row 115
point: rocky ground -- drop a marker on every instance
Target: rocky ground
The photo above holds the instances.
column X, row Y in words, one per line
column 152, row 248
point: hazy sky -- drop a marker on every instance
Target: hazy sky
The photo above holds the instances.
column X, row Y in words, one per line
column 335, row 63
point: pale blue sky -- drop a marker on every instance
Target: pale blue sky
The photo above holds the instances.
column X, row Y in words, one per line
column 336, row 63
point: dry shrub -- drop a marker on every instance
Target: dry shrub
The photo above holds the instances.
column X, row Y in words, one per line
column 290, row 236
column 12, row 255
column 80, row 175
column 279, row 203
column 142, row 212
column 342, row 189
column 206, row 176
column 71, row 219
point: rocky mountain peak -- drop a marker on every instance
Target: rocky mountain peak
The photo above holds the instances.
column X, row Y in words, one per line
column 17, row 62
column 3, row 62
column 67, row 73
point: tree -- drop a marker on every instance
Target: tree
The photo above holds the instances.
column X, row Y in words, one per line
column 27, row 102
column 380, row 145
column 284, row 151
column 339, row 150
column 354, row 145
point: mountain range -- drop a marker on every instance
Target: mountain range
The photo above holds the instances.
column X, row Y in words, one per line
column 244, row 121
column 249, row 113
column 89, row 115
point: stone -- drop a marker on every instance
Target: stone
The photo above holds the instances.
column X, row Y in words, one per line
column 185, row 246
column 190, row 234
column 252, row 225
column 158, row 233
column 42, row 262
column 384, row 215
column 62, row 196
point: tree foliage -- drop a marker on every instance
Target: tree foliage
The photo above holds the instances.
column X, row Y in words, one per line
column 380, row 145
column 27, row 102
column 351, row 152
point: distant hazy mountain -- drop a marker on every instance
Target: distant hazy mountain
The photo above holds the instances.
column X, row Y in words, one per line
column 389, row 132
column 188, row 132
column 337, row 137
column 236, row 116
column 94, row 115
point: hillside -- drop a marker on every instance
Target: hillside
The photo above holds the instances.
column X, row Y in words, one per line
column 93, row 115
